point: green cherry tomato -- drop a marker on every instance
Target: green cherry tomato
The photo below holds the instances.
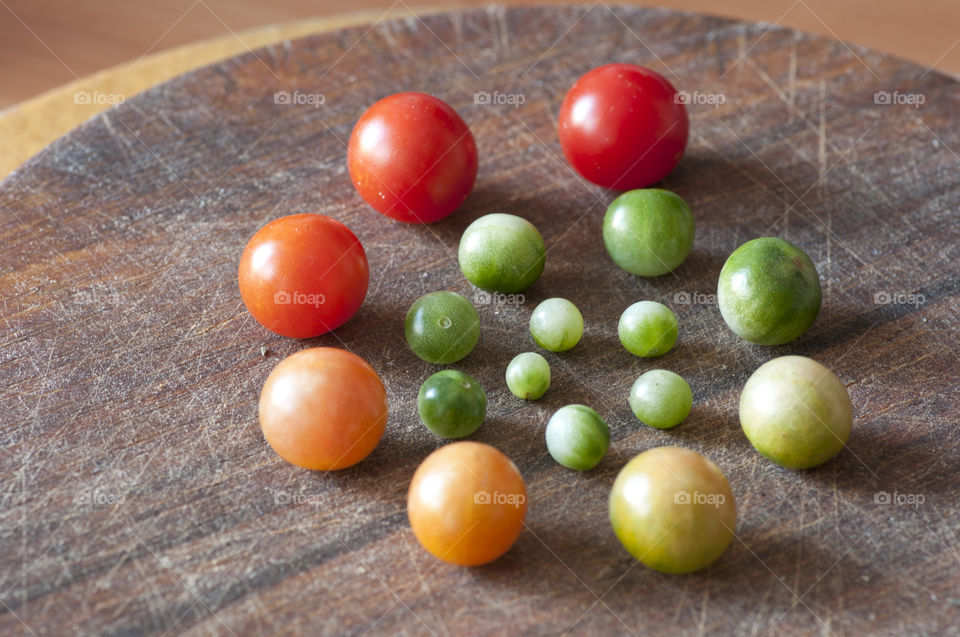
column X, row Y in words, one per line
column 577, row 437
column 502, row 253
column 769, row 291
column 796, row 412
column 556, row 324
column 661, row 398
column 673, row 510
column 528, row 376
column 648, row 232
column 648, row 329
column 452, row 404
column 442, row 327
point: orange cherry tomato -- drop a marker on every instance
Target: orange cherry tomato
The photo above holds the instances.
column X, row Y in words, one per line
column 466, row 503
column 323, row 408
column 303, row 275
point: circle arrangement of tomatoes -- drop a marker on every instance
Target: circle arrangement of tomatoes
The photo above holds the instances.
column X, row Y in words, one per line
column 303, row 275
column 466, row 504
column 412, row 158
column 323, row 408
column 623, row 126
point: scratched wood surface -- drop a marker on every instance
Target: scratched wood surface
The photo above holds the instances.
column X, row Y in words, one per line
column 138, row 496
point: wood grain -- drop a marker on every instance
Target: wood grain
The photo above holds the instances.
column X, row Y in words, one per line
column 140, row 498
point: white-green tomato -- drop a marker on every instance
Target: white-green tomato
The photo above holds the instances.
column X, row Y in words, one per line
column 528, row 376
column 556, row 324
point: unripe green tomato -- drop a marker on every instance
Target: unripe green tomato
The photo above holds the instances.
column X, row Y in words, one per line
column 452, row 404
column 442, row 327
column 649, row 231
column 556, row 324
column 769, row 291
column 528, row 376
column 796, row 412
column 501, row 253
column 648, row 329
column 577, row 437
column 673, row 510
column 661, row 398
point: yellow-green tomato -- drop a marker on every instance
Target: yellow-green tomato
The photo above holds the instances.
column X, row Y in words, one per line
column 796, row 412
column 673, row 510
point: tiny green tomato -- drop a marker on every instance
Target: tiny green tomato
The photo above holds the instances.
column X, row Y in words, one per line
column 528, row 376
column 501, row 253
column 442, row 327
column 648, row 232
column 452, row 404
column 556, row 324
column 648, row 329
column 661, row 398
column 577, row 437
column 796, row 412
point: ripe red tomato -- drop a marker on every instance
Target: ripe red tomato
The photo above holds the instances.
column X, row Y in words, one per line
column 466, row 503
column 623, row 126
column 412, row 158
column 303, row 275
column 323, row 408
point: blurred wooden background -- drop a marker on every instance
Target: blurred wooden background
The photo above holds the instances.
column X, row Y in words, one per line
column 46, row 43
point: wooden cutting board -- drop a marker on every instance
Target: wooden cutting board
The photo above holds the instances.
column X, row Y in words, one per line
column 139, row 496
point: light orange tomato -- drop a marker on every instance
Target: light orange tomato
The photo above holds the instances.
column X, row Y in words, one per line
column 466, row 504
column 323, row 408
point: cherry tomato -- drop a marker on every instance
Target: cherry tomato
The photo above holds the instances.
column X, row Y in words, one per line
column 623, row 126
column 466, row 503
column 303, row 275
column 412, row 158
column 323, row 408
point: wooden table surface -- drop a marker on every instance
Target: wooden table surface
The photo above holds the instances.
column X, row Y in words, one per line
column 139, row 496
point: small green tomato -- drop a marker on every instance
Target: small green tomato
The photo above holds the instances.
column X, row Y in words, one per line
column 648, row 329
column 501, row 253
column 648, row 232
column 528, row 376
column 661, row 398
column 673, row 510
column 577, row 437
column 556, row 324
column 769, row 291
column 796, row 412
column 452, row 404
column 442, row 327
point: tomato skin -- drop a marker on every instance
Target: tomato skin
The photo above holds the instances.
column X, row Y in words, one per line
column 323, row 408
column 466, row 503
column 412, row 158
column 303, row 275
column 621, row 126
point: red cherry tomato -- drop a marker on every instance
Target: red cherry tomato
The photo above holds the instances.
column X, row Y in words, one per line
column 412, row 158
column 323, row 408
column 303, row 275
column 622, row 126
